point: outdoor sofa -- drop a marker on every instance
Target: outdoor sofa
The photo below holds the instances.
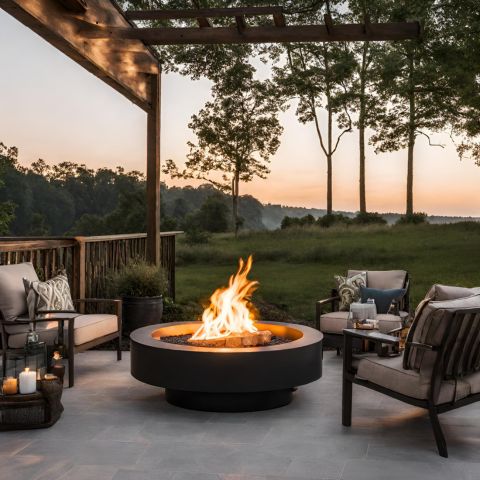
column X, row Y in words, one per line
column 331, row 321
column 75, row 331
column 439, row 369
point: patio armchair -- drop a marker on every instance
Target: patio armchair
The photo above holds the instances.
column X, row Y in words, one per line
column 75, row 331
column 331, row 321
column 439, row 369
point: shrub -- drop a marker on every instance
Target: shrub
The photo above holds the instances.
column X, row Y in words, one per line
column 368, row 218
column 333, row 219
column 138, row 279
column 195, row 236
column 416, row 218
column 288, row 222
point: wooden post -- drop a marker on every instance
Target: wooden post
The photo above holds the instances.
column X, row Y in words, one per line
column 153, row 172
column 79, row 269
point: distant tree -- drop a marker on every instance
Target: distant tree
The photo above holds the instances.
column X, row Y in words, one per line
column 213, row 214
column 237, row 133
column 8, row 159
column 362, row 94
column 412, row 90
column 318, row 76
column 456, row 53
column 90, row 224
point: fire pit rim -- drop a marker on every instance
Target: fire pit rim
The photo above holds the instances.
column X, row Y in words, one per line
column 144, row 336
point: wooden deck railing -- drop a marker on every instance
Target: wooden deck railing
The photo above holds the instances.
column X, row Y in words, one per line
column 87, row 260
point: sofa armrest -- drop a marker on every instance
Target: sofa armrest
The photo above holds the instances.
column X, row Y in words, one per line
column 113, row 301
column 333, row 300
column 423, row 346
column 372, row 336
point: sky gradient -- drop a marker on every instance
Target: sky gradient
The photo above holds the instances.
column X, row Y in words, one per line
column 52, row 108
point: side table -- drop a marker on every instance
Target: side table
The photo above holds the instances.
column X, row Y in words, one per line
column 37, row 410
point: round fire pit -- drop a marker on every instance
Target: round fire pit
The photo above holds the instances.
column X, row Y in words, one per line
column 227, row 379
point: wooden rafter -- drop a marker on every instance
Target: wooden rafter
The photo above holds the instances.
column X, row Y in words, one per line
column 203, row 22
column 203, row 12
column 264, row 34
column 241, row 24
column 124, row 64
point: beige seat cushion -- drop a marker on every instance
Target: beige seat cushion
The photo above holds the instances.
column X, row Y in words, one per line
column 388, row 322
column 474, row 382
column 389, row 373
column 87, row 328
column 47, row 332
column 90, row 327
column 383, row 279
column 335, row 322
column 13, row 299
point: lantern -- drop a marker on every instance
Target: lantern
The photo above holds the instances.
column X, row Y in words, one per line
column 32, row 356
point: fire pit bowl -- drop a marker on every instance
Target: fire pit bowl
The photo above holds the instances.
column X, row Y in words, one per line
column 227, row 379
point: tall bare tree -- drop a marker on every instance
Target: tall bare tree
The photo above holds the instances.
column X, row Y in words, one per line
column 318, row 76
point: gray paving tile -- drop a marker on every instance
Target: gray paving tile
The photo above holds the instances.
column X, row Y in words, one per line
column 33, row 467
column 89, row 472
column 141, row 474
column 400, row 470
column 320, row 469
column 116, row 428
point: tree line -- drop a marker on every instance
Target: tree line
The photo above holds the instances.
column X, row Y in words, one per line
column 72, row 199
column 390, row 94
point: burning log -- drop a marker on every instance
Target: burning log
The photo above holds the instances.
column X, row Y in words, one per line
column 247, row 339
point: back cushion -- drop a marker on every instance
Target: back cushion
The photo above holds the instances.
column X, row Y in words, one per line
column 448, row 292
column 429, row 326
column 13, row 299
column 383, row 279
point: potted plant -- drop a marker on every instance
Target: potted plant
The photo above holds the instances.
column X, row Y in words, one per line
column 141, row 287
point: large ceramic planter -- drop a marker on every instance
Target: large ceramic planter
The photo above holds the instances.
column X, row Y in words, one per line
column 141, row 311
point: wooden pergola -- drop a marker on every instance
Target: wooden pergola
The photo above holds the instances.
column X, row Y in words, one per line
column 101, row 37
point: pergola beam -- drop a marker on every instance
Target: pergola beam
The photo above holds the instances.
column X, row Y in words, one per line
column 264, row 34
column 200, row 13
column 58, row 23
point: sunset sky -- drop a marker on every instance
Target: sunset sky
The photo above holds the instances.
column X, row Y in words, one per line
column 52, row 108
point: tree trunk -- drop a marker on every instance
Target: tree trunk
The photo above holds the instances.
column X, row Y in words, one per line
column 235, row 190
column 411, row 136
column 361, row 132
column 329, row 161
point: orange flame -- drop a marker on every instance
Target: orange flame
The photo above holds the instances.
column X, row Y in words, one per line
column 229, row 312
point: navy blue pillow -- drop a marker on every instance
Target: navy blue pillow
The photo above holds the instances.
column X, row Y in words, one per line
column 383, row 298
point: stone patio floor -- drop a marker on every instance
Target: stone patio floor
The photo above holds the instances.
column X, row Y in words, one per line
column 115, row 427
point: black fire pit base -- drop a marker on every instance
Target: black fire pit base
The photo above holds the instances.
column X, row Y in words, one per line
column 229, row 402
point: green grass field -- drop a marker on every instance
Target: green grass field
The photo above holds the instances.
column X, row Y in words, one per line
column 296, row 267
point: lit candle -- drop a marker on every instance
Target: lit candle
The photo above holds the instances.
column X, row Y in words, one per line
column 28, row 381
column 10, row 386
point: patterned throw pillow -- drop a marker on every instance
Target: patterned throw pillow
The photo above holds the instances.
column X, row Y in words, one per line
column 349, row 289
column 54, row 294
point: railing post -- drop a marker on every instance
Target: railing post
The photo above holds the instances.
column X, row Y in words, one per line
column 79, row 265
column 168, row 261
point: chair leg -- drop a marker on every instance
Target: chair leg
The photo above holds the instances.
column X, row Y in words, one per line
column 4, row 361
column 71, row 367
column 338, row 351
column 437, row 431
column 347, row 403
column 119, row 347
